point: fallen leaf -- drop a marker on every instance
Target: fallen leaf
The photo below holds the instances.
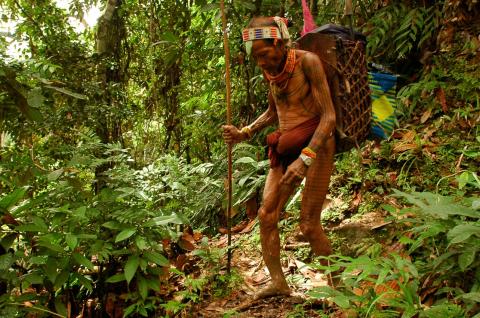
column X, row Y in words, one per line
column 180, row 262
column 222, row 242
column 249, row 226
column 356, row 201
column 392, row 176
column 187, row 242
column 403, row 147
column 260, row 278
column 215, row 306
column 303, row 268
column 409, row 136
column 426, row 115
column 441, row 98
column 197, row 236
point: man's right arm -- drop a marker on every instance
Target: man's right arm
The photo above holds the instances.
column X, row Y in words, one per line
column 232, row 134
column 268, row 118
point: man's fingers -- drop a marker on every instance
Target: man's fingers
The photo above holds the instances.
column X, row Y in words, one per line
column 291, row 177
column 287, row 178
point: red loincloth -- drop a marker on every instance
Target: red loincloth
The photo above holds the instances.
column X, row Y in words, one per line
column 285, row 148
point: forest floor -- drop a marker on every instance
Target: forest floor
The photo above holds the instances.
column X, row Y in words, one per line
column 296, row 262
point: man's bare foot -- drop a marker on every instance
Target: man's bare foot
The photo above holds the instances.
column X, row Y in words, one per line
column 271, row 291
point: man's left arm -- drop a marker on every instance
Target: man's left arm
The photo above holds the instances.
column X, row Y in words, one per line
column 313, row 70
column 323, row 106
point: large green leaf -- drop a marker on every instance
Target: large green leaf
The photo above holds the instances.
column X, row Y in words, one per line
column 82, row 260
column 142, row 286
column 164, row 220
column 6, row 260
column 466, row 258
column 38, row 260
column 462, row 232
column 156, row 258
column 113, row 225
column 169, row 37
column 54, row 175
column 29, row 228
column 87, row 283
column 141, row 242
column 474, row 296
column 50, row 269
column 71, row 240
column 154, row 284
column 61, row 279
column 35, row 97
column 245, row 160
column 67, row 92
column 116, row 278
column 50, row 244
column 342, row 301
column 12, row 198
column 131, row 267
column 60, row 307
column 125, row 234
column 8, row 240
column 35, row 101
column 33, row 278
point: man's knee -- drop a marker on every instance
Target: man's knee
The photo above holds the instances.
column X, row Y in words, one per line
column 317, row 237
column 312, row 230
column 308, row 229
column 267, row 218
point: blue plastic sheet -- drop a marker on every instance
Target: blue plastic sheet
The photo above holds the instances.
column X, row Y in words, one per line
column 383, row 88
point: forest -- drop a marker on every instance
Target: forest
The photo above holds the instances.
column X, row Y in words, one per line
column 114, row 172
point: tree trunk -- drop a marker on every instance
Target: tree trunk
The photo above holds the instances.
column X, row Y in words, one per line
column 110, row 34
column 109, row 38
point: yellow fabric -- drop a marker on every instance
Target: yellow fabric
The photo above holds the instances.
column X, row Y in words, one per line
column 382, row 108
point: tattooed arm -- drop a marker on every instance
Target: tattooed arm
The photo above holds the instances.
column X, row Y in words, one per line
column 266, row 119
column 313, row 69
column 232, row 134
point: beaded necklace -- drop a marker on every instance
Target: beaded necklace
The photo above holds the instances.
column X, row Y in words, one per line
column 280, row 81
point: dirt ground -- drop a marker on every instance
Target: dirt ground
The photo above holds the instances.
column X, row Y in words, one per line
column 302, row 277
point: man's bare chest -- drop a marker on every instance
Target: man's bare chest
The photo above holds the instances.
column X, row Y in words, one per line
column 295, row 93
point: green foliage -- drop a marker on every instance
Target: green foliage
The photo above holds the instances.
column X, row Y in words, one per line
column 397, row 30
column 110, row 142
column 68, row 234
column 390, row 281
column 221, row 283
column 193, row 191
column 250, row 172
column 447, row 230
column 443, row 237
column 459, row 79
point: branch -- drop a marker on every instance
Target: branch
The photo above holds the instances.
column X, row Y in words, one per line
column 32, row 20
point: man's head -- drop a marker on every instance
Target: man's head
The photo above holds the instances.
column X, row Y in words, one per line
column 267, row 39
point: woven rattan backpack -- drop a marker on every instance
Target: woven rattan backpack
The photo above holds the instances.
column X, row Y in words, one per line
column 345, row 65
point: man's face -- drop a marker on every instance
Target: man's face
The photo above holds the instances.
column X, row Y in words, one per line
column 268, row 56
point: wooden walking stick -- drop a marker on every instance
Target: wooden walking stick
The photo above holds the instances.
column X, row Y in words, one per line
column 229, row 146
column 349, row 14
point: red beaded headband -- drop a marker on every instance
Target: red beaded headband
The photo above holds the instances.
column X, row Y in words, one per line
column 261, row 33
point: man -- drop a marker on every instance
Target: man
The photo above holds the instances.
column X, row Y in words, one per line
column 303, row 146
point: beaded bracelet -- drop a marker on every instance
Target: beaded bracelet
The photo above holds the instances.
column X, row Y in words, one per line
column 307, row 151
column 247, row 130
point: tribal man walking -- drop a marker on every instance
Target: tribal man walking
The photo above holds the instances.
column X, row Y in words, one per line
column 303, row 146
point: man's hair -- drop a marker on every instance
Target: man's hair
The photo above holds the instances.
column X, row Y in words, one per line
column 257, row 22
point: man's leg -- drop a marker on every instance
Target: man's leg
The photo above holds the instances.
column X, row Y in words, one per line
column 274, row 198
column 316, row 187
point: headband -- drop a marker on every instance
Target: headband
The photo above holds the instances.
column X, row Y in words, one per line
column 259, row 33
